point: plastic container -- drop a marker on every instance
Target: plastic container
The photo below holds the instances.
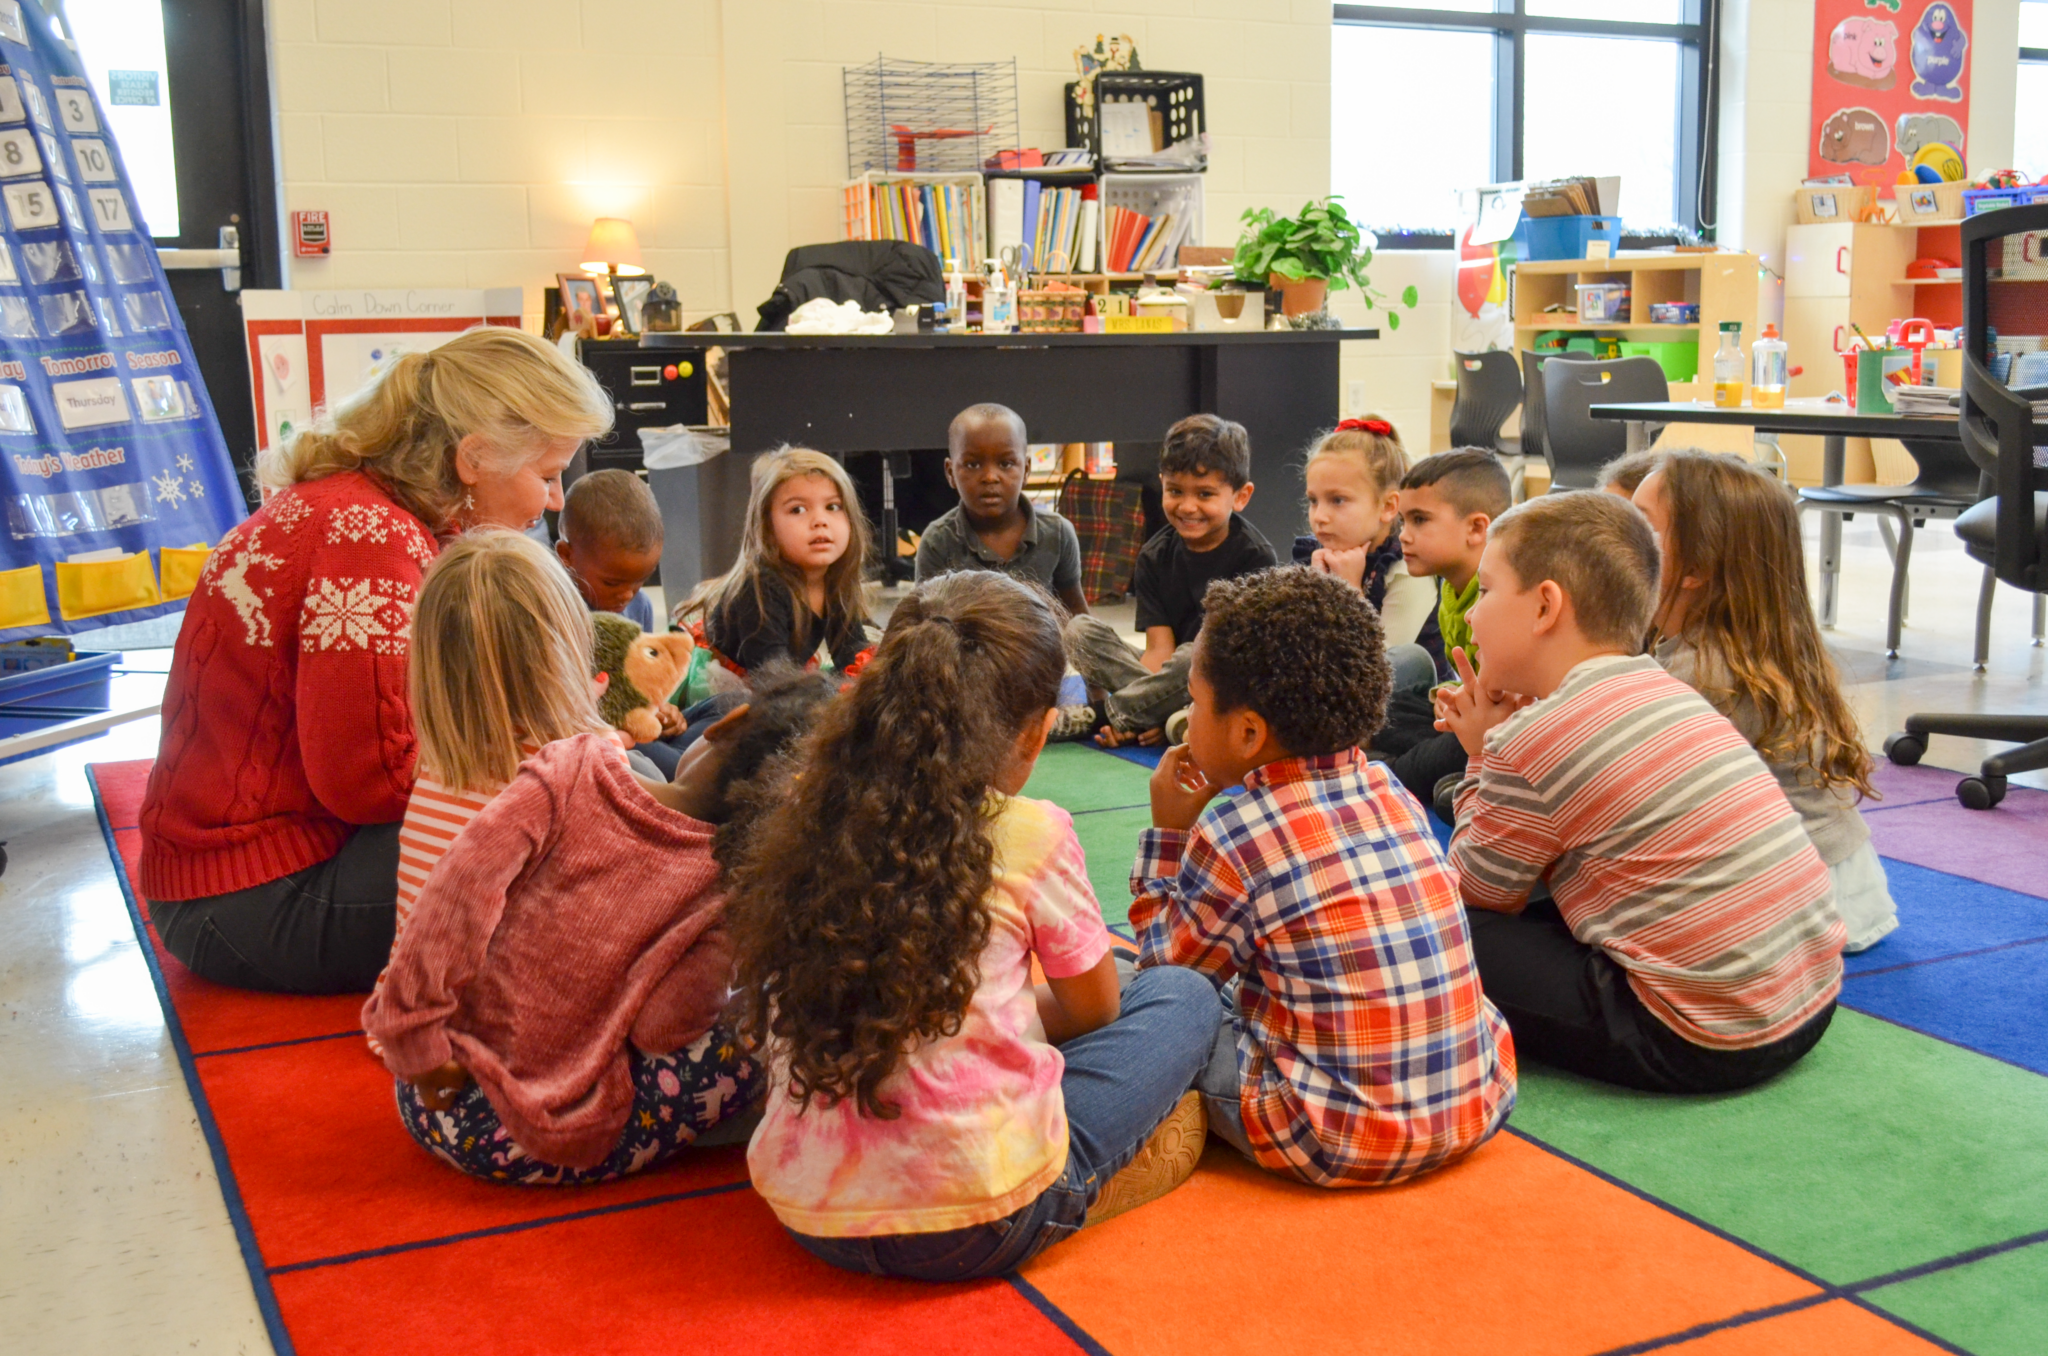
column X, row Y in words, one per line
column 1603, row 303
column 1174, row 97
column 1680, row 360
column 1768, row 365
column 1674, row 313
column 1566, row 237
column 1730, row 372
column 84, row 682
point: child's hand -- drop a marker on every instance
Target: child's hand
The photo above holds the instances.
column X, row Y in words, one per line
column 1347, row 564
column 1470, row 709
column 670, row 718
column 1109, row 737
column 1179, row 790
column 438, row 1088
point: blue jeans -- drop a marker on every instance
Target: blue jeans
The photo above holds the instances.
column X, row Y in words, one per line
column 1120, row 1083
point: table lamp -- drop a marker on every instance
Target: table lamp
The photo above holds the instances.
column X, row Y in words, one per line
column 613, row 248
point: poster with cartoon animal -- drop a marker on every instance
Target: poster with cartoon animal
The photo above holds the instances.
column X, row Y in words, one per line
column 1889, row 81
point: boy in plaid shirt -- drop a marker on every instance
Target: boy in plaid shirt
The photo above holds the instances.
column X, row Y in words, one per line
column 1360, row 1050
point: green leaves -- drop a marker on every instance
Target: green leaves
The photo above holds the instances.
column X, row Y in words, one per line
column 1320, row 242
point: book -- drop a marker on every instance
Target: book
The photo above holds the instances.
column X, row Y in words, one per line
column 1033, row 191
column 1005, row 214
column 1090, row 230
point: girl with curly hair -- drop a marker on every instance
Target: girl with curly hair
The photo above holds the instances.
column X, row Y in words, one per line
column 1734, row 623
column 931, row 1114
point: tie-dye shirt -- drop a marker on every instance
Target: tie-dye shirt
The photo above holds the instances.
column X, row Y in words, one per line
column 983, row 1127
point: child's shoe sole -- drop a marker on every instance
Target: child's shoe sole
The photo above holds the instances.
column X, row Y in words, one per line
column 1167, row 1159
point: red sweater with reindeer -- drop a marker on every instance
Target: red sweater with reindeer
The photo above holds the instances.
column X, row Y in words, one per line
column 285, row 721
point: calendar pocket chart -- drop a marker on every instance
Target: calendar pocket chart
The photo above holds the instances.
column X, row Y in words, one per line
column 109, row 450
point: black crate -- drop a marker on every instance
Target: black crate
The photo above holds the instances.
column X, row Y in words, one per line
column 1175, row 95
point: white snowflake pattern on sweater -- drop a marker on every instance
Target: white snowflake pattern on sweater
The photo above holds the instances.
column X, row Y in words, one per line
column 363, row 614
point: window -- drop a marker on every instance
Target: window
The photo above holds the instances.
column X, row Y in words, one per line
column 1499, row 90
column 121, row 46
column 2030, row 108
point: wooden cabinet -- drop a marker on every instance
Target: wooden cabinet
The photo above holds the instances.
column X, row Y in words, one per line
column 1723, row 286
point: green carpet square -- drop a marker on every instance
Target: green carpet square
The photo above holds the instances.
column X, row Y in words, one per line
column 1996, row 1307
column 1110, row 838
column 1882, row 1149
column 1076, row 778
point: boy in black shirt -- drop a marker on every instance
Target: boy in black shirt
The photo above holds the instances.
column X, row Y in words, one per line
column 1205, row 479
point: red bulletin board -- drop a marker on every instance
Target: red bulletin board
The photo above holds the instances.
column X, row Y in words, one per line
column 1889, row 76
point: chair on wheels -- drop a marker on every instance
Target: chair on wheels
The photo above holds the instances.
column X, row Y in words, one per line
column 2008, row 532
column 1575, row 443
column 1489, row 389
column 1946, row 483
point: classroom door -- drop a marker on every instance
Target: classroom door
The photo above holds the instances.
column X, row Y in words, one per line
column 186, row 88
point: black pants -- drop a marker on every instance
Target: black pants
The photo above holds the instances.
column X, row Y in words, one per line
column 324, row 929
column 1570, row 1006
column 1427, row 763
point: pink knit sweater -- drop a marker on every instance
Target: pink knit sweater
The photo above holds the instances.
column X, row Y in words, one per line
column 573, row 915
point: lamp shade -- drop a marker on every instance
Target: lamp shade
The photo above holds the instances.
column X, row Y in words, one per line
column 612, row 248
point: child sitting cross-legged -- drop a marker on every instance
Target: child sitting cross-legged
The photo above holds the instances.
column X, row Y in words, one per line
column 1205, row 479
column 995, row 526
column 1689, row 942
column 1359, row 1050
column 1734, row 622
column 551, row 1008
column 930, row 1113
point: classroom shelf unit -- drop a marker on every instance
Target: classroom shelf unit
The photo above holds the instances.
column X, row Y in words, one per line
column 1723, row 286
column 877, row 206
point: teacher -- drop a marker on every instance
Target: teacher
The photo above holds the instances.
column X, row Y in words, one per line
column 270, row 828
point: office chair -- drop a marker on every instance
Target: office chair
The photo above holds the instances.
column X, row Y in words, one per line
column 1489, row 389
column 1575, row 443
column 1946, row 483
column 2008, row 532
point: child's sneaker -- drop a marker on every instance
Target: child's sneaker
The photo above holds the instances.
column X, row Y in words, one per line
column 1177, row 726
column 1075, row 722
column 1167, row 1159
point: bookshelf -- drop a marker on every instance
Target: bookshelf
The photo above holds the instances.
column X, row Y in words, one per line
column 888, row 205
column 1722, row 285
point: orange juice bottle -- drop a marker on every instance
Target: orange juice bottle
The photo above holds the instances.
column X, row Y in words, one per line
column 1729, row 369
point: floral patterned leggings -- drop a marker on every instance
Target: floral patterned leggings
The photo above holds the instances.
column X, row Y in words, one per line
column 676, row 1098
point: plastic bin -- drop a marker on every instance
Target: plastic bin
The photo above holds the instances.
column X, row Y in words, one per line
column 1977, row 200
column 1566, row 237
column 1680, row 361
column 1603, row 303
column 84, row 682
column 1176, row 96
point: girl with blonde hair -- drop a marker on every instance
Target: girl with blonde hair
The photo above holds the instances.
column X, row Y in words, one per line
column 551, row 1007
column 270, row 827
column 1733, row 622
column 796, row 588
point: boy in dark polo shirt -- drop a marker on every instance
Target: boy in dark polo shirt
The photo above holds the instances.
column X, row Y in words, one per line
column 1205, row 479
column 994, row 527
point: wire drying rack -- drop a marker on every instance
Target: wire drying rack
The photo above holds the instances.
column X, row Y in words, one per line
column 925, row 117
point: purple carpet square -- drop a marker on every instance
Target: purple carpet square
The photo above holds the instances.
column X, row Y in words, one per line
column 2005, row 846
column 1943, row 915
column 1911, row 785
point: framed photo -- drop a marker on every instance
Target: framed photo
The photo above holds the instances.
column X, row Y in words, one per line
column 631, row 293
column 580, row 292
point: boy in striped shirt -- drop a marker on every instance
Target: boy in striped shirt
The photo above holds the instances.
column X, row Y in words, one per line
column 1689, row 940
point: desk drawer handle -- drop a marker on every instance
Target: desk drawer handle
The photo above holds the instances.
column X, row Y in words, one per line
column 1838, row 339
column 646, row 376
column 1841, row 253
column 647, row 406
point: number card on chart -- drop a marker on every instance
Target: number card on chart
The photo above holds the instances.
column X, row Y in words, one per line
column 110, row 209
column 18, row 157
column 94, row 164
column 11, row 26
column 53, row 157
column 74, row 106
column 31, row 207
column 11, row 109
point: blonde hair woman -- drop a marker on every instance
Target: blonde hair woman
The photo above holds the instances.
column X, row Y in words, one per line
column 270, row 829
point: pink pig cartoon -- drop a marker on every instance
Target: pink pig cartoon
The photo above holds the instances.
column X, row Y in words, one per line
column 1863, row 51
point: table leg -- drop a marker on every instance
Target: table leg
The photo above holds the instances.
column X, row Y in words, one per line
column 1638, row 436
column 1833, row 455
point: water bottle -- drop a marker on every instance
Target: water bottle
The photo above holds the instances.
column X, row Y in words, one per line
column 1729, row 368
column 1767, row 371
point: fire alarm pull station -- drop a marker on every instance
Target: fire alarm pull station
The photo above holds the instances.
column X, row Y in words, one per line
column 309, row 235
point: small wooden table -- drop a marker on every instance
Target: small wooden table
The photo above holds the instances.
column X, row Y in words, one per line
column 1832, row 420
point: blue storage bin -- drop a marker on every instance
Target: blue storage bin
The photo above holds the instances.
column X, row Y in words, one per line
column 1565, row 237
column 82, row 683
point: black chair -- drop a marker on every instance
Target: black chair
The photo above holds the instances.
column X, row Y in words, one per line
column 1575, row 443
column 1489, row 389
column 1946, row 482
column 2008, row 532
column 1533, row 441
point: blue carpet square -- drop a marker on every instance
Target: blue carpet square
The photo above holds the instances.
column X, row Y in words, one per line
column 1992, row 1002
column 1943, row 915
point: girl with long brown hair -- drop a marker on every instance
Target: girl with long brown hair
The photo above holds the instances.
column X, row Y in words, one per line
column 931, row 1114
column 1733, row 622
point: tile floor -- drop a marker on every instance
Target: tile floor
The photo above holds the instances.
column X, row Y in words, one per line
column 113, row 1236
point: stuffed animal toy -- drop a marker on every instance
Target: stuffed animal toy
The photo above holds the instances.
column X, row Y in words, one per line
column 1862, row 51
column 1855, row 136
column 1938, row 43
column 643, row 670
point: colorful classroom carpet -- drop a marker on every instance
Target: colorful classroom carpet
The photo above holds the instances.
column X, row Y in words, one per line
column 1888, row 1195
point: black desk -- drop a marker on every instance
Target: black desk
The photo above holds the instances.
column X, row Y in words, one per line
column 1833, row 421
column 897, row 393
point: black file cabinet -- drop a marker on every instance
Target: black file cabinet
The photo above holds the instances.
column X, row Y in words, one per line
column 650, row 388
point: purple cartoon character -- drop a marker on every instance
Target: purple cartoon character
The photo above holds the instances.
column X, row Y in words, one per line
column 1862, row 51
column 1938, row 43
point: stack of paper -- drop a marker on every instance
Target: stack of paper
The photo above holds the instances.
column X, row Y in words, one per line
column 1926, row 402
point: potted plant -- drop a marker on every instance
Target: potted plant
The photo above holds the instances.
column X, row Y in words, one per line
column 1304, row 256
